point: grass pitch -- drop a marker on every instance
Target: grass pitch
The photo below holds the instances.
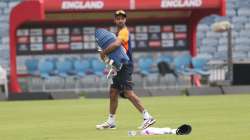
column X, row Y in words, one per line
column 224, row 117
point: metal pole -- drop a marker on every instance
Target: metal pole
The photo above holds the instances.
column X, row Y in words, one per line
column 230, row 55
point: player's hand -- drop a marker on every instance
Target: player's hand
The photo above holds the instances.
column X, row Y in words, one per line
column 102, row 55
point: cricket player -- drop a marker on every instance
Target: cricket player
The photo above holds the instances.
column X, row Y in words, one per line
column 122, row 82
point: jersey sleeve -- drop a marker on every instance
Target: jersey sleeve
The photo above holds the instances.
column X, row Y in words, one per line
column 123, row 35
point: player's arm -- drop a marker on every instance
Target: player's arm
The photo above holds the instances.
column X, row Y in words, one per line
column 122, row 37
column 113, row 46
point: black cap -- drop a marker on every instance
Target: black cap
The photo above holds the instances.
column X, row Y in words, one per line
column 184, row 129
column 120, row 12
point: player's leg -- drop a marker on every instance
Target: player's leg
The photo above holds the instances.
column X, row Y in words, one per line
column 134, row 99
column 148, row 120
column 113, row 95
column 127, row 86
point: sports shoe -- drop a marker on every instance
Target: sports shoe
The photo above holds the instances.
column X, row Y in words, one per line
column 105, row 125
column 146, row 123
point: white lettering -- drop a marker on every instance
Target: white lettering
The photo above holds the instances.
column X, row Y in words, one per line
column 180, row 3
column 79, row 5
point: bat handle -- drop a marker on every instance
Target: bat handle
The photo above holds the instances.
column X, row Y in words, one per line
column 99, row 49
column 111, row 69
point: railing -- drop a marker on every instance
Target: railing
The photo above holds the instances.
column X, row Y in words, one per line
column 218, row 71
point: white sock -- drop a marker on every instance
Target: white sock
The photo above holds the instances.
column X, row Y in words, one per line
column 146, row 115
column 111, row 119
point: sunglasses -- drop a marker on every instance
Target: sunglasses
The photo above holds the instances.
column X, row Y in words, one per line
column 120, row 12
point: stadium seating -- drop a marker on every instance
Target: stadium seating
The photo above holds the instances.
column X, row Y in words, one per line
column 239, row 55
column 222, row 55
column 145, row 65
column 244, row 12
column 222, row 47
column 239, row 14
column 245, row 33
column 46, row 68
column 98, row 67
column 182, row 65
column 247, row 26
column 211, row 46
column 32, row 66
column 242, row 41
column 81, row 69
column 165, row 67
column 99, row 71
column 206, row 55
column 223, row 41
column 5, row 7
column 54, row 61
column 242, row 48
column 64, row 69
column 165, row 58
column 200, row 66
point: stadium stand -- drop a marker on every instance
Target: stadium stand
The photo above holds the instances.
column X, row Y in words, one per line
column 211, row 45
column 200, row 66
column 145, row 65
column 238, row 14
column 5, row 8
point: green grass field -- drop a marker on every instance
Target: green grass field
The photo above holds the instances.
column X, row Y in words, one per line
column 212, row 118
